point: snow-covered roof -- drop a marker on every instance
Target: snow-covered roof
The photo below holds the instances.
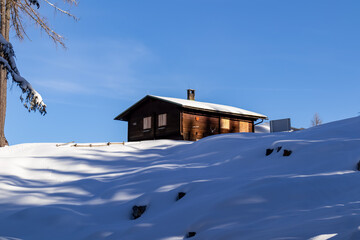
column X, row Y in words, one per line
column 209, row 107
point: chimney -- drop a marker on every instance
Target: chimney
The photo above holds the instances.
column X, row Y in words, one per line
column 191, row 94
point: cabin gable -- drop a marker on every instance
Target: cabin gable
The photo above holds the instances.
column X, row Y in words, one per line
column 153, row 119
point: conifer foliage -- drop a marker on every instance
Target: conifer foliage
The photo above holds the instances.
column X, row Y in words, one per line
column 12, row 13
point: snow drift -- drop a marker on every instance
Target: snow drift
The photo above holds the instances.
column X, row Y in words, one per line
column 262, row 128
column 232, row 189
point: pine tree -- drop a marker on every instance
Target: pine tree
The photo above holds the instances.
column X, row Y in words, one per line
column 12, row 13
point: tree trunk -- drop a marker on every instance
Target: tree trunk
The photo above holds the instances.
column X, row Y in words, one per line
column 5, row 30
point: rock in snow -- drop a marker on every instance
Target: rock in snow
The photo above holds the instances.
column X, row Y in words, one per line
column 269, row 151
column 190, row 234
column 49, row 192
column 137, row 211
column 287, row 153
column 180, row 195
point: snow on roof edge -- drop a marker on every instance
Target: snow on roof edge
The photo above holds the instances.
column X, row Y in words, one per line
column 209, row 106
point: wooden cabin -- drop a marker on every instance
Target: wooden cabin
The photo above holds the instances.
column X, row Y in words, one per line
column 155, row 117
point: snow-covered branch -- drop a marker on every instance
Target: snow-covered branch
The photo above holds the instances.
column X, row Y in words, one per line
column 33, row 100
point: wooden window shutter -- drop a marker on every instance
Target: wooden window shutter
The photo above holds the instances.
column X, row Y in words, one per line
column 244, row 127
column 147, row 123
column 225, row 123
column 162, row 120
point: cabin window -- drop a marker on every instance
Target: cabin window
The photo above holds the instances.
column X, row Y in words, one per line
column 147, row 123
column 162, row 120
column 225, row 123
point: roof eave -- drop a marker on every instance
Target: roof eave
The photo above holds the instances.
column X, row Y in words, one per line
column 123, row 116
column 228, row 113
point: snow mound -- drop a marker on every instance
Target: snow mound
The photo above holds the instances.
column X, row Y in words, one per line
column 230, row 189
column 263, row 128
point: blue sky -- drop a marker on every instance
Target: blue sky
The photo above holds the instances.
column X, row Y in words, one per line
column 280, row 58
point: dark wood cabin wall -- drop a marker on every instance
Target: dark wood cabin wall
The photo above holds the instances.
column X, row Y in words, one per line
column 197, row 125
column 235, row 125
column 153, row 108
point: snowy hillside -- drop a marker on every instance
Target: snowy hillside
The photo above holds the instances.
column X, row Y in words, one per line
column 232, row 189
column 263, row 128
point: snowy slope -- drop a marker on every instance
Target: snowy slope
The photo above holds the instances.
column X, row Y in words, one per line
column 263, row 128
column 233, row 191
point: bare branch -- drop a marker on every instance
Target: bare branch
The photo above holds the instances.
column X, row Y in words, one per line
column 316, row 120
column 75, row 2
column 61, row 10
column 20, row 8
column 42, row 22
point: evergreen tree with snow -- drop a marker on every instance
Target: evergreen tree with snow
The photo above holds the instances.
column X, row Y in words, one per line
column 12, row 13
